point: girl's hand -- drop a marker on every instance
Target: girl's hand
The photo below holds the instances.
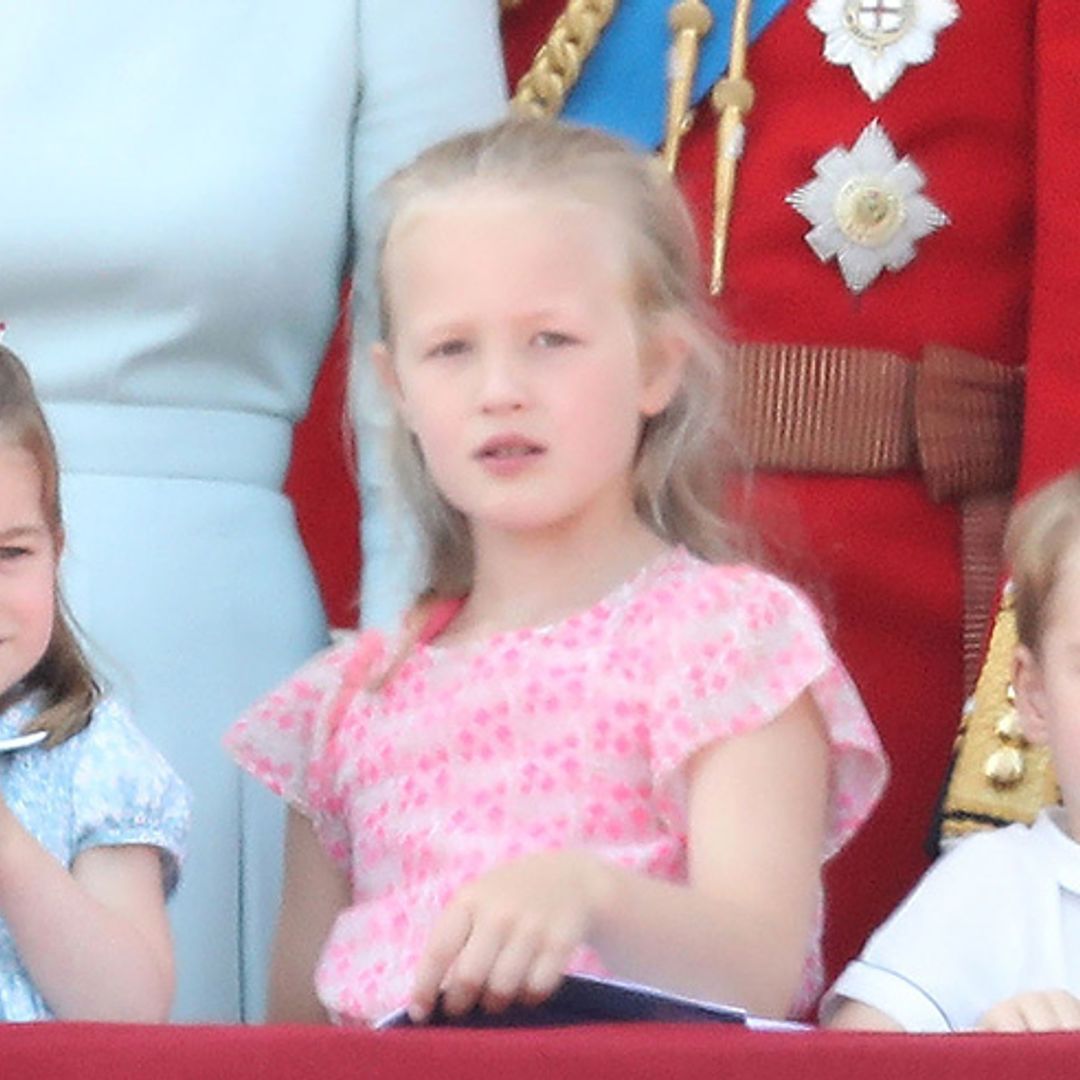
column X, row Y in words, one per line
column 508, row 935
column 1037, row 1010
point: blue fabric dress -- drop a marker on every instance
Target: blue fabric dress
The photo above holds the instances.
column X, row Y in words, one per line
column 105, row 786
column 178, row 189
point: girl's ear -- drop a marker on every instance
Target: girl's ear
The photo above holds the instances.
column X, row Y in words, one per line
column 663, row 363
column 1030, row 694
column 383, row 359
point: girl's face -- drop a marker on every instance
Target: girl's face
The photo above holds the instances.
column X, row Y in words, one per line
column 1048, row 685
column 27, row 567
column 517, row 357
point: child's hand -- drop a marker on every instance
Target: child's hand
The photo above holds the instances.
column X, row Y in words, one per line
column 508, row 935
column 1037, row 1010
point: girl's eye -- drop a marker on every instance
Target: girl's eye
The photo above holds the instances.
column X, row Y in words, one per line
column 449, row 348
column 11, row 552
column 553, row 339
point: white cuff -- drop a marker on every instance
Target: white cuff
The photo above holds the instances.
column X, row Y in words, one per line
column 889, row 992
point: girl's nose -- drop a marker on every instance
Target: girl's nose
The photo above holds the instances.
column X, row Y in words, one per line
column 502, row 387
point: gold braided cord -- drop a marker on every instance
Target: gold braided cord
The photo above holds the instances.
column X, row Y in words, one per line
column 556, row 68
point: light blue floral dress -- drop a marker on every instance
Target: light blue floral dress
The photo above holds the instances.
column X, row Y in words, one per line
column 103, row 787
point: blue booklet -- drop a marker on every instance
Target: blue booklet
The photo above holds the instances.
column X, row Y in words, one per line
column 587, row 999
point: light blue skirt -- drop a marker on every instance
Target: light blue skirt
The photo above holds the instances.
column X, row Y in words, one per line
column 185, row 571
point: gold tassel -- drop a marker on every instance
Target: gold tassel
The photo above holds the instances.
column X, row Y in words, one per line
column 732, row 98
column 996, row 776
column 690, row 21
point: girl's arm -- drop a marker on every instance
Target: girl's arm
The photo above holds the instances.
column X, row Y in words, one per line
column 738, row 931
column 313, row 893
column 95, row 940
column 741, row 929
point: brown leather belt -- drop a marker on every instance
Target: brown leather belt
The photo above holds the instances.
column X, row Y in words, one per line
column 954, row 416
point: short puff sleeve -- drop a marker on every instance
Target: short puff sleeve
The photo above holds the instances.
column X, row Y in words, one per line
column 740, row 646
column 283, row 738
column 125, row 792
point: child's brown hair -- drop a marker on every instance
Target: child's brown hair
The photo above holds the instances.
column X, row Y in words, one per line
column 62, row 677
column 1041, row 531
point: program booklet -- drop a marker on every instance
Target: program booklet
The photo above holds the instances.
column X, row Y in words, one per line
column 588, row 999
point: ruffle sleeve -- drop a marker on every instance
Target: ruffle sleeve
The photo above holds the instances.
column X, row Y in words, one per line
column 741, row 646
column 282, row 739
column 124, row 792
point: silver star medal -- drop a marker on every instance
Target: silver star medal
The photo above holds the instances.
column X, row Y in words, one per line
column 879, row 38
column 866, row 208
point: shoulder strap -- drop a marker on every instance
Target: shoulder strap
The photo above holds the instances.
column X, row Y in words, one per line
column 369, row 650
column 437, row 616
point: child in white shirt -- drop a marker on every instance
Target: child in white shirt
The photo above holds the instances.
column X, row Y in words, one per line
column 990, row 938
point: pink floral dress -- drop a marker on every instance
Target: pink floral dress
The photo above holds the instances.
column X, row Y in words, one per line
column 575, row 734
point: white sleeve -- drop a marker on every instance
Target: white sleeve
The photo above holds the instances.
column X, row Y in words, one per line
column 429, row 68
column 945, row 955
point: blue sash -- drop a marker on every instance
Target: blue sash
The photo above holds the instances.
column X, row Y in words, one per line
column 623, row 87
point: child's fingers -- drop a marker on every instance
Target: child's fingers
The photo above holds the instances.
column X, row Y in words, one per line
column 1036, row 1013
column 1070, row 1012
column 468, row 975
column 1004, row 1017
column 511, row 968
column 1045, row 1010
column 547, row 970
column 445, row 944
column 1056, row 1010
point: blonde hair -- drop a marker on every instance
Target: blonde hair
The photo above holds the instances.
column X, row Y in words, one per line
column 680, row 464
column 1041, row 532
column 62, row 676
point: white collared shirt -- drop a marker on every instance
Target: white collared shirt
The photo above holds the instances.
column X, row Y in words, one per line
column 997, row 916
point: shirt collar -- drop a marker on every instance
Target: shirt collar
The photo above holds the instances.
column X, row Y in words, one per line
column 1059, row 847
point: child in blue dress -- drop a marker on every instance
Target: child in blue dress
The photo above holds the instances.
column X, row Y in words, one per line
column 92, row 820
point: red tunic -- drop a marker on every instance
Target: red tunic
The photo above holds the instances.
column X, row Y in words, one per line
column 884, row 557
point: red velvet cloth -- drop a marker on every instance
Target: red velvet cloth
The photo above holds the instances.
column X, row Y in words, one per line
column 645, row 1052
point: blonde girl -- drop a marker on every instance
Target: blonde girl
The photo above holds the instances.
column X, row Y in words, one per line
column 92, row 820
column 601, row 743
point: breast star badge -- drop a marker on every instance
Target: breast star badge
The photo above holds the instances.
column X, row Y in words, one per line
column 877, row 39
column 866, row 208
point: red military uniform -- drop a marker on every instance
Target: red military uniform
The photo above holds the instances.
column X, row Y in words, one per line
column 882, row 556
column 991, row 746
